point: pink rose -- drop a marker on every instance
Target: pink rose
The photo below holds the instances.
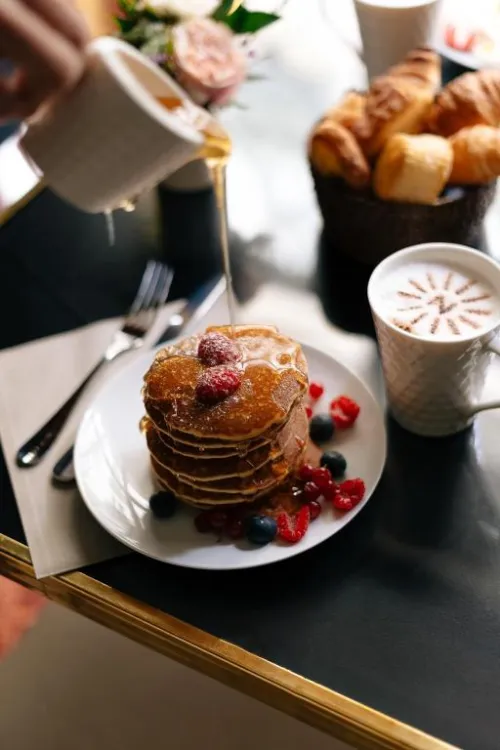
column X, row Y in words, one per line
column 207, row 62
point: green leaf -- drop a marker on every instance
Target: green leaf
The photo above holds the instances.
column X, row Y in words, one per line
column 223, row 10
column 244, row 21
column 125, row 25
column 127, row 6
column 157, row 45
column 142, row 32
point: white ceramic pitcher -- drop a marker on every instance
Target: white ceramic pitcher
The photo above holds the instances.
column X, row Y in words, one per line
column 110, row 139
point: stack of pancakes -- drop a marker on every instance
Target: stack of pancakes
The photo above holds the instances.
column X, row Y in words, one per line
column 246, row 446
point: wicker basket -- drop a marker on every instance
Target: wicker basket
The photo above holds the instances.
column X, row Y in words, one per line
column 368, row 229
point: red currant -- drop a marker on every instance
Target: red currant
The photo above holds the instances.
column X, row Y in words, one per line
column 202, row 522
column 314, row 509
column 306, row 472
column 321, row 477
column 316, row 391
column 217, row 519
column 309, row 412
column 329, row 490
column 311, row 492
column 235, row 529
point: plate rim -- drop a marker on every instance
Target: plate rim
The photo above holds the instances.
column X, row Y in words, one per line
column 293, row 550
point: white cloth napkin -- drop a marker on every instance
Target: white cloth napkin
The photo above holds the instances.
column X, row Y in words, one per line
column 37, row 377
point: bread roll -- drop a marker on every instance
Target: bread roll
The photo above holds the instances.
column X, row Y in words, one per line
column 476, row 155
column 413, row 169
column 393, row 105
column 348, row 110
column 333, row 150
column 422, row 67
column 471, row 99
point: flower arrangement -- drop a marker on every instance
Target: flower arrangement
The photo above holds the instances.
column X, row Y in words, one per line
column 202, row 44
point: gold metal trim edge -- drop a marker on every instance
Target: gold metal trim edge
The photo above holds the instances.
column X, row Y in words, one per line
column 330, row 712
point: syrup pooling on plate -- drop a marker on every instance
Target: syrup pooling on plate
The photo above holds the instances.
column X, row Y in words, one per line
column 438, row 301
column 274, row 378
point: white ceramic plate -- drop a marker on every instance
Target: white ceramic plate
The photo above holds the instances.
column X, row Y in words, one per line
column 112, row 470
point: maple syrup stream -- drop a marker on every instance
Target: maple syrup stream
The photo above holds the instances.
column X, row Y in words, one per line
column 216, row 152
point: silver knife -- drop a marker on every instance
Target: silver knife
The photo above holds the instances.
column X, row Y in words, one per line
column 184, row 321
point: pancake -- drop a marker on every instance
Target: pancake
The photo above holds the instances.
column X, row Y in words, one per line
column 213, row 467
column 241, row 448
column 258, row 461
column 213, row 495
column 274, row 377
column 191, row 445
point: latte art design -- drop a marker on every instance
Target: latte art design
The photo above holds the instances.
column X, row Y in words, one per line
column 436, row 301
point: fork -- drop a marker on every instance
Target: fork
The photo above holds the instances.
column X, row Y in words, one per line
column 151, row 295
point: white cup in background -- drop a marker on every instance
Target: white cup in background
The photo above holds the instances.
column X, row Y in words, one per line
column 391, row 28
column 435, row 372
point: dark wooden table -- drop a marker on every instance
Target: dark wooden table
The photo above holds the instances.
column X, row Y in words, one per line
column 386, row 636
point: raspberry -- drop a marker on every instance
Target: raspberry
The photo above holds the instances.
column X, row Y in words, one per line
column 293, row 529
column 309, row 412
column 217, row 383
column 217, row 349
column 311, row 492
column 316, row 391
column 344, row 412
column 314, row 509
column 306, row 472
column 349, row 494
column 343, row 503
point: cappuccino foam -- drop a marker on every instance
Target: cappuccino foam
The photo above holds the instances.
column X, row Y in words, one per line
column 437, row 301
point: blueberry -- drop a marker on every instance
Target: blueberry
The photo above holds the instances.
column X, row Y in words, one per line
column 335, row 463
column 163, row 505
column 260, row 529
column 321, row 428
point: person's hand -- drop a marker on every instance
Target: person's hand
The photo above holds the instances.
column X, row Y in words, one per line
column 45, row 41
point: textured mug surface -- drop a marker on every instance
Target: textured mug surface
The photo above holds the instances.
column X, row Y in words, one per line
column 434, row 386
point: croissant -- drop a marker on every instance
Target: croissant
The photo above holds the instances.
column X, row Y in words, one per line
column 394, row 104
column 471, row 99
column 348, row 110
column 476, row 155
column 413, row 169
column 333, row 150
column 421, row 66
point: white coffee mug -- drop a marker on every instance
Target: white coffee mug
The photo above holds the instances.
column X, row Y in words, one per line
column 110, row 139
column 391, row 28
column 434, row 384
